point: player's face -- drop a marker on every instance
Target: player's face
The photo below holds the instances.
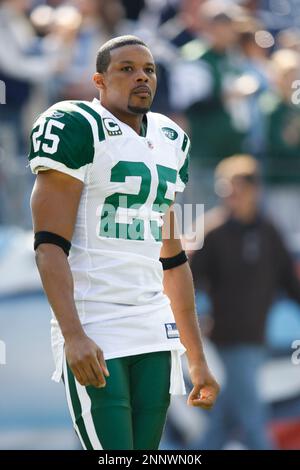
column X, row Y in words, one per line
column 129, row 84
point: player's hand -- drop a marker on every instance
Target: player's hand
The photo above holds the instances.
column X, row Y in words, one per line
column 205, row 387
column 86, row 361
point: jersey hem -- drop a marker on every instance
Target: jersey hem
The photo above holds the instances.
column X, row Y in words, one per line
column 136, row 351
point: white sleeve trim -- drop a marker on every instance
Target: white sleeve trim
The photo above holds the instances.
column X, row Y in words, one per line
column 43, row 163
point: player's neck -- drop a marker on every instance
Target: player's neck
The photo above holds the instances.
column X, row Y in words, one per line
column 132, row 120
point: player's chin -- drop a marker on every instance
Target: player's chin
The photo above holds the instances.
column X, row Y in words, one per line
column 140, row 108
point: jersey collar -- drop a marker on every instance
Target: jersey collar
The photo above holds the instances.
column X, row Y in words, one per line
column 144, row 126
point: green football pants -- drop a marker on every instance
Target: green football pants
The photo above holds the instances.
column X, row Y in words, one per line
column 130, row 411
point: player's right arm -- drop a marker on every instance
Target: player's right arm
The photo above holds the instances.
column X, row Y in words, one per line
column 54, row 203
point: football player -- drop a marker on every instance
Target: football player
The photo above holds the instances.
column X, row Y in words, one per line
column 115, row 274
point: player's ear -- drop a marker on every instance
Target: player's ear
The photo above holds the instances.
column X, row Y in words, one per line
column 98, row 79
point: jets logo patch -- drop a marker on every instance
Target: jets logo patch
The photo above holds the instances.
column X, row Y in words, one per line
column 112, row 127
column 170, row 133
column 171, row 330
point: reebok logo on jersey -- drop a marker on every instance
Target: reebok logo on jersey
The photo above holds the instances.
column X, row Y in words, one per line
column 57, row 114
column 170, row 133
column 171, row 330
column 112, row 127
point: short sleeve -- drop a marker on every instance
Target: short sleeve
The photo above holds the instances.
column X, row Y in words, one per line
column 184, row 161
column 61, row 140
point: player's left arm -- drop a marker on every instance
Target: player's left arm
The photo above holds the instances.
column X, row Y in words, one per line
column 178, row 286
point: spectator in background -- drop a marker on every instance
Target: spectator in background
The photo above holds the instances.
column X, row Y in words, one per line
column 179, row 24
column 211, row 114
column 101, row 20
column 283, row 138
column 24, row 64
column 242, row 264
column 282, row 161
column 211, row 104
column 255, row 81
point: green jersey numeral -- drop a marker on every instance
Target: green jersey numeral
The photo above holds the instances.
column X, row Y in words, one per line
column 120, row 205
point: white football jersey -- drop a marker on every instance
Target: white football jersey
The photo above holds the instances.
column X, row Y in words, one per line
column 130, row 180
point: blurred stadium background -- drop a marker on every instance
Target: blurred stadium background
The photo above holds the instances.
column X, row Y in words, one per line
column 242, row 99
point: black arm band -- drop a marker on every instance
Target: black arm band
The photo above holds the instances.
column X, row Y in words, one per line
column 49, row 237
column 173, row 261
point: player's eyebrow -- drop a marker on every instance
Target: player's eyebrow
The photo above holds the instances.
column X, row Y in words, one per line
column 131, row 62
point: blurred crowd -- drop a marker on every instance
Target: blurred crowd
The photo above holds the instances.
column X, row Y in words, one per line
column 227, row 73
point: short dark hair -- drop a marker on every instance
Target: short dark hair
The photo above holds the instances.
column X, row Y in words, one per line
column 103, row 55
